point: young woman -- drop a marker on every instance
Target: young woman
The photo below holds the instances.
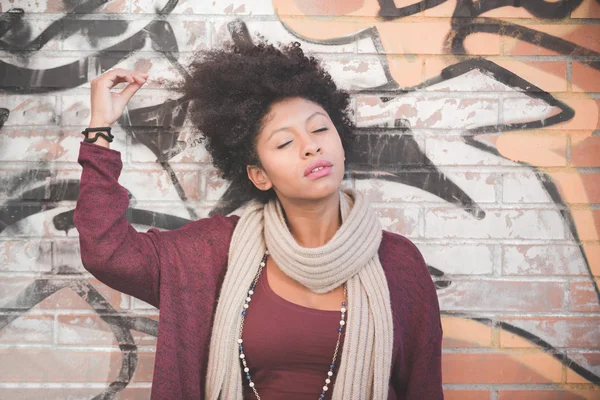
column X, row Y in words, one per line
column 302, row 297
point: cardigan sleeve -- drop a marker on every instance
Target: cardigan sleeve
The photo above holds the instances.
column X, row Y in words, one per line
column 425, row 362
column 111, row 249
column 425, row 381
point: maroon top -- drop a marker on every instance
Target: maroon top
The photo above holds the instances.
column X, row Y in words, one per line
column 181, row 272
column 288, row 347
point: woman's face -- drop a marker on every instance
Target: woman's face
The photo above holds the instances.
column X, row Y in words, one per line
column 300, row 151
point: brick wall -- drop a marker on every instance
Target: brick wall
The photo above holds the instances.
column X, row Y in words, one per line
column 478, row 140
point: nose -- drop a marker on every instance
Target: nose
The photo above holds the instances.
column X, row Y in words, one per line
column 311, row 147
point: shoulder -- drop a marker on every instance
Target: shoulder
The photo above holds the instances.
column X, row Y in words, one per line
column 412, row 291
column 399, row 255
column 405, row 268
column 212, row 232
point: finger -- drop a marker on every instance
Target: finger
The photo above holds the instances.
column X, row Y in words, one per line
column 127, row 93
column 139, row 78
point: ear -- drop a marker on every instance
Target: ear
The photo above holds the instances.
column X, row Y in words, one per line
column 259, row 177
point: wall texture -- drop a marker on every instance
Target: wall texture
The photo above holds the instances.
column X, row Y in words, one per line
column 479, row 140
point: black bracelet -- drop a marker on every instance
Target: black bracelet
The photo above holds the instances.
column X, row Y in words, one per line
column 109, row 138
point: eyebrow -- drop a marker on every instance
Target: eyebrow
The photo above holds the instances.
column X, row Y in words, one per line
column 287, row 127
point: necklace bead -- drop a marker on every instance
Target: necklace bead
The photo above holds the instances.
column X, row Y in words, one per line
column 240, row 340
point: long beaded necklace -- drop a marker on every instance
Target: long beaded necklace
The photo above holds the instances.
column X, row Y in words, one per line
column 263, row 263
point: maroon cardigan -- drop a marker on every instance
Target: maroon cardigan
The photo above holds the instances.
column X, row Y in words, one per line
column 180, row 272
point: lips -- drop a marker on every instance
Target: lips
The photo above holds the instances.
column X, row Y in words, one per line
column 317, row 164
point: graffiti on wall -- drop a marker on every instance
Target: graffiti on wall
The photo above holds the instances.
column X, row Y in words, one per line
column 392, row 154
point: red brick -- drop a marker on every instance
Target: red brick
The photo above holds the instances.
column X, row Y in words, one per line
column 590, row 361
column 582, row 35
column 503, row 296
column 578, row 187
column 574, row 394
column 584, row 78
column 587, row 223
column 145, row 368
column 59, row 365
column 93, row 330
column 549, row 76
column 583, row 297
column 24, row 393
column 450, row 394
column 465, row 333
column 585, row 152
column 398, row 37
column 64, row 298
column 500, row 368
column 560, row 332
column 587, row 9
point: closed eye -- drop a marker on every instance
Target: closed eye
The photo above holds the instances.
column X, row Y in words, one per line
column 283, row 145
column 320, row 130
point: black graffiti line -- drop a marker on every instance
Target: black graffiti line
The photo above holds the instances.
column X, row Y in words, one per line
column 370, row 33
column 533, row 339
column 538, row 8
column 566, row 113
column 10, row 19
column 4, row 113
column 512, row 80
column 388, row 10
column 461, row 29
column 57, row 28
column 15, row 79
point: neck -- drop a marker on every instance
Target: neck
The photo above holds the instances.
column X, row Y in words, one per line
column 314, row 223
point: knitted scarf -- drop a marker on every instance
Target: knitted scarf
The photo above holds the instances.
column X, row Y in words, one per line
column 350, row 256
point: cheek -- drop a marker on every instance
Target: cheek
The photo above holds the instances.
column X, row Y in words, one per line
column 280, row 168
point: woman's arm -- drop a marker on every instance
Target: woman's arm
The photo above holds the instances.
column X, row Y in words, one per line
column 425, row 381
column 111, row 249
column 424, row 361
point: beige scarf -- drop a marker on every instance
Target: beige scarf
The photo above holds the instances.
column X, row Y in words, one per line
column 350, row 256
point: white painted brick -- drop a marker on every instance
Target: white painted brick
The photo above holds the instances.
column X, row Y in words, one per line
column 452, row 150
column 479, row 186
column 526, row 109
column 427, row 112
column 497, row 224
column 524, row 187
column 194, row 152
column 543, row 260
column 46, row 145
column 213, row 187
column 29, row 329
column 461, row 259
column 156, row 185
column 67, row 254
column 214, row 7
column 404, row 221
column 356, row 74
column 502, row 296
column 275, row 32
column 563, row 332
column 472, row 81
column 34, row 109
column 25, row 256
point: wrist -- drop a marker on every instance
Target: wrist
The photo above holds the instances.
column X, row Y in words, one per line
column 97, row 123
